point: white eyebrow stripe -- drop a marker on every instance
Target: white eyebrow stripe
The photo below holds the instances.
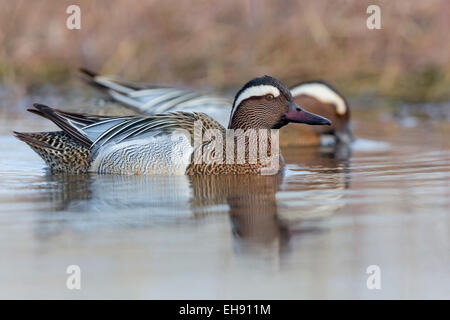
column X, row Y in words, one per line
column 322, row 93
column 255, row 91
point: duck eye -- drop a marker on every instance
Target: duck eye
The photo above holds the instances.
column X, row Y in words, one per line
column 269, row 97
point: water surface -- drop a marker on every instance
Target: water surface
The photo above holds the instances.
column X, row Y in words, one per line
column 309, row 232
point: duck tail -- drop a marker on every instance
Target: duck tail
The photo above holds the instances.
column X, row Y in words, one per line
column 63, row 151
column 60, row 151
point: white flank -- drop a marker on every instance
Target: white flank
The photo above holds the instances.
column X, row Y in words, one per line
column 322, row 93
column 162, row 155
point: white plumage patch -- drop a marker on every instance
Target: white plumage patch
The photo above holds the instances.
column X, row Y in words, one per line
column 322, row 93
column 255, row 91
column 162, row 155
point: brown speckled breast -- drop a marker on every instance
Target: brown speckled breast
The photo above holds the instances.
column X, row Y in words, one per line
column 210, row 167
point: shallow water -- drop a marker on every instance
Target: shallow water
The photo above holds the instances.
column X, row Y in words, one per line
column 310, row 232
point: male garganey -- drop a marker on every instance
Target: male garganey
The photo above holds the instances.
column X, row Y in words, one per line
column 316, row 96
column 170, row 143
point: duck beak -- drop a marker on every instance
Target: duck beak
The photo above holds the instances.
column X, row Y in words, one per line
column 298, row 115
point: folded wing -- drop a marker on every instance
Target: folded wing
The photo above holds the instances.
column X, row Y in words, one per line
column 154, row 99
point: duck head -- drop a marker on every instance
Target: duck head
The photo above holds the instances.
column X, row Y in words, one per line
column 265, row 103
column 322, row 98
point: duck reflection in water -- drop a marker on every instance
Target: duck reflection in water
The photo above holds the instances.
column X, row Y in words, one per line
column 264, row 211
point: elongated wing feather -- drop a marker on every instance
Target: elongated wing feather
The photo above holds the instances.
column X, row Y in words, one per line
column 96, row 131
column 148, row 126
column 72, row 128
column 152, row 99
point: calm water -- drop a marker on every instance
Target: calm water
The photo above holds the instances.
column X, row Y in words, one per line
column 310, row 232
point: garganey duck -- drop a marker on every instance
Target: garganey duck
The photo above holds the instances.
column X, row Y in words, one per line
column 316, row 96
column 170, row 143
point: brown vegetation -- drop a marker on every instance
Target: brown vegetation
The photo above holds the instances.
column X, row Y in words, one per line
column 222, row 44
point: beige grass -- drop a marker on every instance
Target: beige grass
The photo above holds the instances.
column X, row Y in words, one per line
column 222, row 44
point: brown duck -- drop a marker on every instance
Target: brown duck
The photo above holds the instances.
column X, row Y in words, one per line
column 323, row 99
column 171, row 143
column 318, row 97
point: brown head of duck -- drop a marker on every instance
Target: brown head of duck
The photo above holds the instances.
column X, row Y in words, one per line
column 323, row 99
column 266, row 103
column 261, row 104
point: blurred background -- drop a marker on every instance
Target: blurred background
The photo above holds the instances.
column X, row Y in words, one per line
column 222, row 44
column 310, row 233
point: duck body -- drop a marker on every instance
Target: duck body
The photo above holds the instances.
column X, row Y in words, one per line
column 106, row 147
column 318, row 97
column 175, row 142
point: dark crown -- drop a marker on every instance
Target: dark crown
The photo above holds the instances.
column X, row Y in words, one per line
column 266, row 80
